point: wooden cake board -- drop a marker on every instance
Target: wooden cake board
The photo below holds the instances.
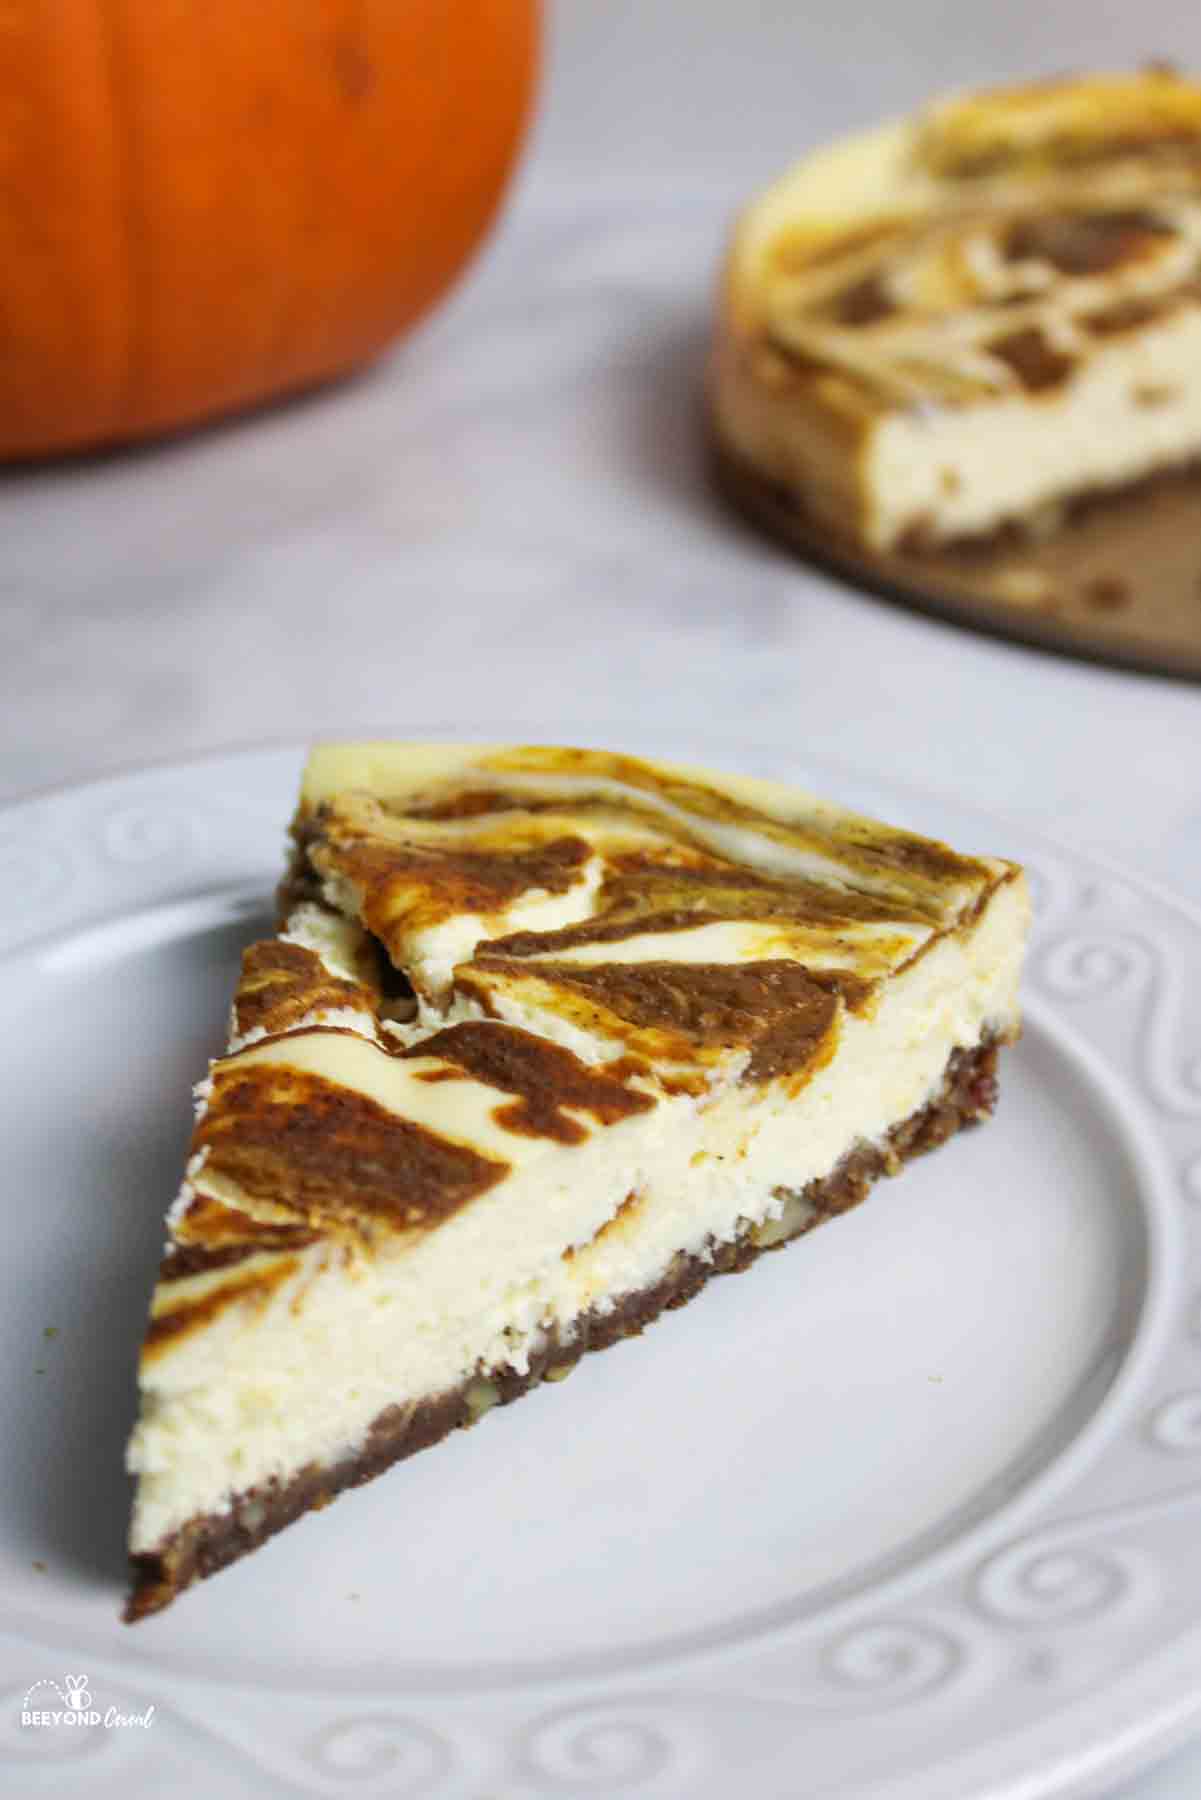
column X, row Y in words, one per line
column 1119, row 583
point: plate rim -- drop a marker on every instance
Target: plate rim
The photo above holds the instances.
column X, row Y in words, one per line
column 1064, row 1774
column 288, row 743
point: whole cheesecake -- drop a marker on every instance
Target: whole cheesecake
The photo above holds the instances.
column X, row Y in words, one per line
column 963, row 324
column 547, row 1037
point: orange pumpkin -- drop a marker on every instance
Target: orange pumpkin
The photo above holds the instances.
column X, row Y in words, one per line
column 205, row 203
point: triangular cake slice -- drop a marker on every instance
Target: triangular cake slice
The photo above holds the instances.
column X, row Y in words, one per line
column 547, row 1037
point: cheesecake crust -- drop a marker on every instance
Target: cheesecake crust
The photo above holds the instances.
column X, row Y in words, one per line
column 210, row 1542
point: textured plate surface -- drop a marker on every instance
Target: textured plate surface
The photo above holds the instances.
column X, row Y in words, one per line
column 1121, row 583
column 913, row 1506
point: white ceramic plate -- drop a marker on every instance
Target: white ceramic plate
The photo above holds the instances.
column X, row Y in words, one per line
column 910, row 1512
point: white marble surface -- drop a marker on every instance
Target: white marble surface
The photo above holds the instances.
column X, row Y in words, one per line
column 509, row 518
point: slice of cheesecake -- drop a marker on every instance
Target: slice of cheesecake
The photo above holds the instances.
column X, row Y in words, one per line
column 547, row 1038
column 964, row 323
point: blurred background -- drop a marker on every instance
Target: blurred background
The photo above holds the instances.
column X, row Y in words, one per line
column 507, row 522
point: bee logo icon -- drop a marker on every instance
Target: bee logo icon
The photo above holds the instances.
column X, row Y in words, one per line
column 78, row 1697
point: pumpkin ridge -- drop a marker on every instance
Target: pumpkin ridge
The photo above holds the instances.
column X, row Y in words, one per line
column 133, row 258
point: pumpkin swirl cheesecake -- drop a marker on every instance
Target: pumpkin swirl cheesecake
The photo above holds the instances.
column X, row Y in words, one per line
column 546, row 1038
column 957, row 327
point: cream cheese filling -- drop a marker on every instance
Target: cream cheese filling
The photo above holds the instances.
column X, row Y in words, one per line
column 263, row 1391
